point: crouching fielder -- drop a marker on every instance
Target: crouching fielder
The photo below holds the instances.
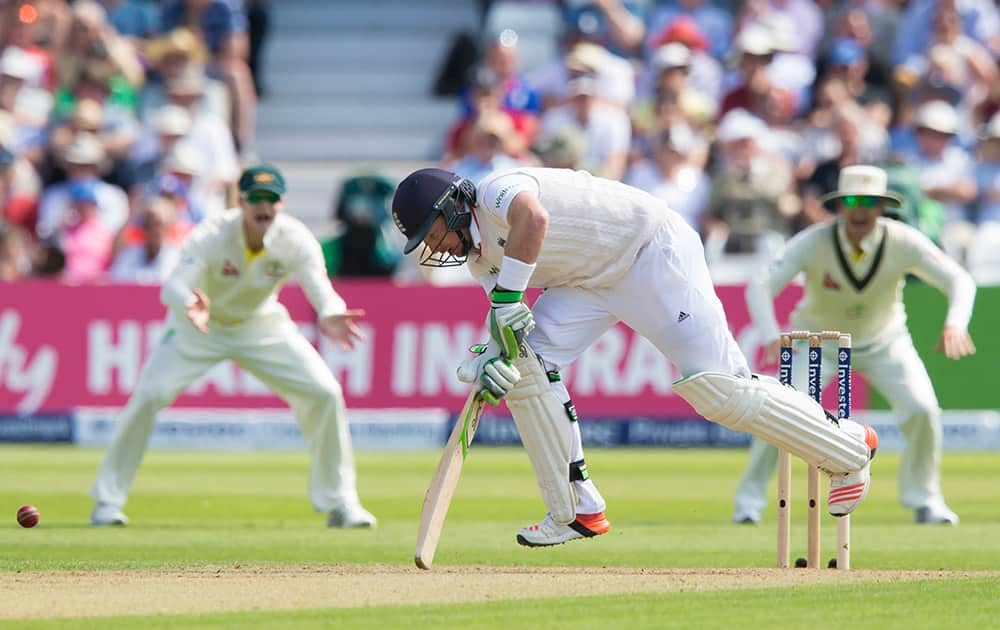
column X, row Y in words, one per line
column 222, row 301
column 854, row 271
column 605, row 252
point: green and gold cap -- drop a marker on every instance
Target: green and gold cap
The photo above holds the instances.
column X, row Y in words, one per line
column 262, row 177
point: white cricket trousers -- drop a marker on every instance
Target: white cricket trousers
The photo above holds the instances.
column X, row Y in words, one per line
column 667, row 297
column 270, row 348
column 896, row 371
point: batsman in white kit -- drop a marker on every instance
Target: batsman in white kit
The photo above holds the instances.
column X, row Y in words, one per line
column 604, row 252
column 222, row 304
column 855, row 269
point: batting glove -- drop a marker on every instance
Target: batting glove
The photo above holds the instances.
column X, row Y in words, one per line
column 494, row 373
column 510, row 320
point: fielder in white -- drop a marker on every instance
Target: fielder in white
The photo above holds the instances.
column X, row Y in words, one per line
column 222, row 303
column 605, row 252
column 855, row 269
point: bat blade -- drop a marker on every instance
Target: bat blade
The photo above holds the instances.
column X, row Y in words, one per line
column 445, row 480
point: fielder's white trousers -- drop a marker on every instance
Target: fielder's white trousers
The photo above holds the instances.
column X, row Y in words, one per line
column 896, row 371
column 268, row 347
column 667, row 297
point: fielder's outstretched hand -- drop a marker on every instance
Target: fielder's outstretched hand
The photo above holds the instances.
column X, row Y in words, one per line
column 341, row 328
column 198, row 311
column 955, row 342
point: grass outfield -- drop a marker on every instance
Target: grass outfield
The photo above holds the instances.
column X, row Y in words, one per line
column 244, row 520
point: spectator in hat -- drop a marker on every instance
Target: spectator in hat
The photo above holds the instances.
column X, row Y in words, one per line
column 487, row 147
column 608, row 129
column 165, row 128
column 115, row 127
column 755, row 48
column 671, row 176
column 184, row 165
column 946, row 172
column 614, row 76
column 706, row 72
column 714, row 22
column 222, row 25
column 563, row 149
column 29, row 106
column 671, row 69
column 751, row 201
column 804, row 14
column 150, row 260
column 85, row 240
column 83, row 159
column 209, row 137
column 19, row 182
column 171, row 55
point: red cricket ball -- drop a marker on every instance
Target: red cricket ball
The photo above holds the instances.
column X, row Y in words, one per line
column 27, row 516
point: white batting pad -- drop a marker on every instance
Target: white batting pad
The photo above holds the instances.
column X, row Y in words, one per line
column 546, row 433
column 787, row 418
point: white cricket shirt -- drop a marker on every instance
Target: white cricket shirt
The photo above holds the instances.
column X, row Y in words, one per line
column 862, row 296
column 596, row 226
column 215, row 259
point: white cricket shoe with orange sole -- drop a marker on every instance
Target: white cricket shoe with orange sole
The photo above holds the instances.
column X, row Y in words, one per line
column 848, row 490
column 549, row 533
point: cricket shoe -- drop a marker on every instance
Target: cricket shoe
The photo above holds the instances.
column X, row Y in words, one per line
column 938, row 514
column 548, row 532
column 350, row 515
column 105, row 514
column 848, row 490
column 746, row 517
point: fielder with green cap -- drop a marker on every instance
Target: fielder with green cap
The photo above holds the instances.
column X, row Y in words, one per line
column 222, row 304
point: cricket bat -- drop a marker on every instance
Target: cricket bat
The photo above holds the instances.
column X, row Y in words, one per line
column 445, row 480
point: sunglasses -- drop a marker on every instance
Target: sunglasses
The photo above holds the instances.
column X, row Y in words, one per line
column 257, row 196
column 860, row 201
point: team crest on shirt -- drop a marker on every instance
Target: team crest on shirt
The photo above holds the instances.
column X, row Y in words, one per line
column 274, row 268
column 229, row 269
column 502, row 242
column 829, row 282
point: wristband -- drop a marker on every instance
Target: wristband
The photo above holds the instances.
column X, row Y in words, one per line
column 514, row 274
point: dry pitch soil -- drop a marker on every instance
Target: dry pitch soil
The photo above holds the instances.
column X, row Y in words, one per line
column 50, row 594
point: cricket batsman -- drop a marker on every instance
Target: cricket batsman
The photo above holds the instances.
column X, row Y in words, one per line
column 604, row 252
column 855, row 269
column 222, row 304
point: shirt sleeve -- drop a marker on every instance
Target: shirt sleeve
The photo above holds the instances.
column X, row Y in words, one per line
column 177, row 291
column 500, row 191
column 771, row 280
column 937, row 269
column 311, row 276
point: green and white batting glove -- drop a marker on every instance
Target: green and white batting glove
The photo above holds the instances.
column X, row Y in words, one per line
column 494, row 373
column 510, row 320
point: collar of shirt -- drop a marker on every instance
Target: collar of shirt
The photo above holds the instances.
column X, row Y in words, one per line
column 269, row 236
column 868, row 243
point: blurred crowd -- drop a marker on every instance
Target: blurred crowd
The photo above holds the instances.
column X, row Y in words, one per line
column 122, row 124
column 125, row 122
column 741, row 114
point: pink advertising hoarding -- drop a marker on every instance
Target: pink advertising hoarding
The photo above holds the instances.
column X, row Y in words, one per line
column 64, row 347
